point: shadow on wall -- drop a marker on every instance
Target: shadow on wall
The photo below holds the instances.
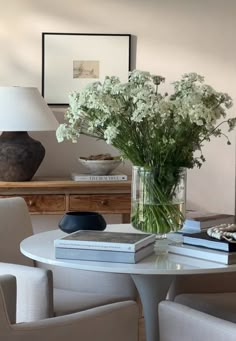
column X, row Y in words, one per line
column 61, row 159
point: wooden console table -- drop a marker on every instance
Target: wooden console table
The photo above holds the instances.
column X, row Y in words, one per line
column 57, row 196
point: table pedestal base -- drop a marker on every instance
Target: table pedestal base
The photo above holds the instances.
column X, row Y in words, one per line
column 152, row 288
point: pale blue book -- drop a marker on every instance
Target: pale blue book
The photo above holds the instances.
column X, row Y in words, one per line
column 201, row 220
column 104, row 256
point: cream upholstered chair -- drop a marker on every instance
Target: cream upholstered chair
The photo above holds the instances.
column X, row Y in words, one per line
column 179, row 322
column 74, row 290
column 34, row 284
column 34, row 291
column 116, row 322
column 214, row 294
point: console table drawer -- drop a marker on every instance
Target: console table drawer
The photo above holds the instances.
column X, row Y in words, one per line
column 45, row 203
column 114, row 203
column 57, row 196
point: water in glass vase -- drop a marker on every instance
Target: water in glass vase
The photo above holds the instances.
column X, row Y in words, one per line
column 158, row 206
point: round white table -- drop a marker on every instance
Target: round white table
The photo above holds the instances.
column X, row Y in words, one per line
column 152, row 276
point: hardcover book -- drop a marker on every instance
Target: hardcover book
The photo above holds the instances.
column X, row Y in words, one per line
column 202, row 220
column 90, row 177
column 104, row 240
column 203, row 253
column 203, row 240
column 104, row 255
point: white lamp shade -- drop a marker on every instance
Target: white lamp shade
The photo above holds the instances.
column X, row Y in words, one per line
column 24, row 109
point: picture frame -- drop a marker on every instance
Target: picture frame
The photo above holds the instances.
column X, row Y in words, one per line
column 72, row 60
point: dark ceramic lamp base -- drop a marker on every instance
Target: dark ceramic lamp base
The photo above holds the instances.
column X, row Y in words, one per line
column 20, row 156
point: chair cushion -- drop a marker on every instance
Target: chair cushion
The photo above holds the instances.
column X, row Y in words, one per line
column 69, row 301
column 222, row 305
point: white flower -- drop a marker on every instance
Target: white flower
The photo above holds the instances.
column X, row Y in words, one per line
column 110, row 133
column 63, row 132
column 147, row 127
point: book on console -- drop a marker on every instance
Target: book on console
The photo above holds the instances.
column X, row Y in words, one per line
column 104, row 255
column 203, row 240
column 104, row 240
column 202, row 220
column 203, row 253
column 90, row 177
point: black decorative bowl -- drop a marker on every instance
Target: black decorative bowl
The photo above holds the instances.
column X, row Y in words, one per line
column 74, row 221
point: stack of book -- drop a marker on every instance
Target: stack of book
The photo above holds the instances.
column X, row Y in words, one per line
column 197, row 221
column 200, row 245
column 105, row 246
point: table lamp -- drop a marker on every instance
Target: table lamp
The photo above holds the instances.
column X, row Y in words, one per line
column 22, row 109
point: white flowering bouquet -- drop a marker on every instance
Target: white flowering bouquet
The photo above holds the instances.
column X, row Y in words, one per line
column 153, row 130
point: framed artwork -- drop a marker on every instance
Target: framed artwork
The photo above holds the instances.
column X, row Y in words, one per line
column 72, row 60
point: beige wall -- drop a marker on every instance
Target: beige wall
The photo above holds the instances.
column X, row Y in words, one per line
column 173, row 37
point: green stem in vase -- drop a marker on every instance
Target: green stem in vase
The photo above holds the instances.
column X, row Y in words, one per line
column 153, row 210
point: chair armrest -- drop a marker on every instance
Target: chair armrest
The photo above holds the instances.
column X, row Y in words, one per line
column 8, row 296
column 179, row 322
column 116, row 322
column 34, row 291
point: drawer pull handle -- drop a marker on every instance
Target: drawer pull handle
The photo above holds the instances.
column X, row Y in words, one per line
column 104, row 202
column 31, row 203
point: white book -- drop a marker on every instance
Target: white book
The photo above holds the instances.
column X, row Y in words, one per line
column 89, row 177
column 104, row 256
column 197, row 220
column 203, row 253
column 102, row 240
column 185, row 229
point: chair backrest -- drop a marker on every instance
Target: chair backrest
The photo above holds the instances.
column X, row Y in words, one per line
column 203, row 283
column 15, row 225
column 179, row 322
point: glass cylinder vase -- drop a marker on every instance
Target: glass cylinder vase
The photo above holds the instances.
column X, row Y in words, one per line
column 158, row 203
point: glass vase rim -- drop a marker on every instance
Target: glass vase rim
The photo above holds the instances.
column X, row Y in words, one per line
column 150, row 168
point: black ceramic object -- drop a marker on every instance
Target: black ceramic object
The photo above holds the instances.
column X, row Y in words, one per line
column 74, row 221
